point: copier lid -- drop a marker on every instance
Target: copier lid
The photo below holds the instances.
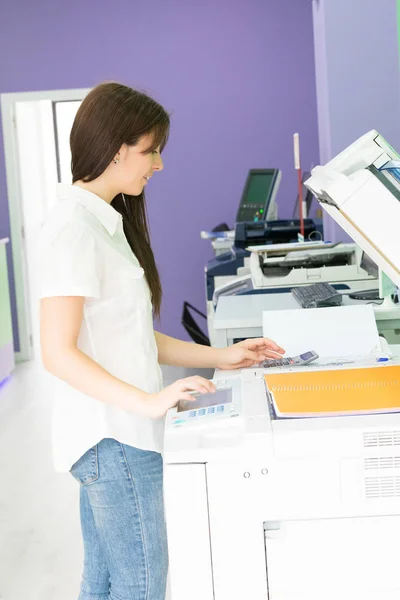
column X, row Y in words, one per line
column 360, row 190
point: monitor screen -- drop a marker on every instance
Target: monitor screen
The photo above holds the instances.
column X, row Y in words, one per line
column 222, row 396
column 258, row 192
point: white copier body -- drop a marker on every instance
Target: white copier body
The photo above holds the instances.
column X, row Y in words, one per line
column 299, row 509
column 293, row 509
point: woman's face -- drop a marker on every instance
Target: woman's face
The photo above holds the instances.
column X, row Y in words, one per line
column 135, row 168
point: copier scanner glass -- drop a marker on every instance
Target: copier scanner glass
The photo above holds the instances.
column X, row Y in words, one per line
column 360, row 190
column 223, row 396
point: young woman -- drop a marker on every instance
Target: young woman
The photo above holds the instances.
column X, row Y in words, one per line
column 100, row 288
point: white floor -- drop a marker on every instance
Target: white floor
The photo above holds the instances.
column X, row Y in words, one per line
column 40, row 544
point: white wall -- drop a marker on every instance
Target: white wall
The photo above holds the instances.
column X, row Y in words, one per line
column 38, row 176
column 37, row 165
column 65, row 114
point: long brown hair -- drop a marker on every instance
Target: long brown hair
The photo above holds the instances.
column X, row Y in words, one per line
column 112, row 115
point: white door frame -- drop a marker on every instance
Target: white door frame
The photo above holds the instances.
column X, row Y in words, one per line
column 8, row 111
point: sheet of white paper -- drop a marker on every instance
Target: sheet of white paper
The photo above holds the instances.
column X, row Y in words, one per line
column 340, row 331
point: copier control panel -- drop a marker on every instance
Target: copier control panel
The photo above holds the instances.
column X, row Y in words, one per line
column 224, row 403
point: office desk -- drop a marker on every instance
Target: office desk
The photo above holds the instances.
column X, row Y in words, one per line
column 6, row 333
column 240, row 317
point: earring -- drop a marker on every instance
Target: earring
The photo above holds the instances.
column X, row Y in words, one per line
column 116, row 161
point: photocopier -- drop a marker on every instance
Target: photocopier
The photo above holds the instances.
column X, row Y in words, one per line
column 267, row 507
column 334, row 263
column 281, row 267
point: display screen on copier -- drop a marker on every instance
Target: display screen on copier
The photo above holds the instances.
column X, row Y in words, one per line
column 223, row 396
column 306, row 355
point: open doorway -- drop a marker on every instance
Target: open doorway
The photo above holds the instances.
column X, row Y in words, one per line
column 36, row 130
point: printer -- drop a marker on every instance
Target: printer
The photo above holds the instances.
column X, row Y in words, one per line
column 268, row 507
column 291, row 267
column 256, row 223
column 257, row 205
column 276, row 268
column 257, row 216
column 279, row 231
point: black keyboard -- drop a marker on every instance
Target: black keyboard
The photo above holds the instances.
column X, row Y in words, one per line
column 316, row 295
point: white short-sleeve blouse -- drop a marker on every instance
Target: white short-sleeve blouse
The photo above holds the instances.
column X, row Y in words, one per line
column 84, row 252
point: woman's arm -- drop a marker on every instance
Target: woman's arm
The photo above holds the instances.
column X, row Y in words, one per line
column 244, row 354
column 177, row 353
column 60, row 322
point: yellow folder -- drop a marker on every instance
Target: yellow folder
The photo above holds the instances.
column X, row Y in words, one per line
column 336, row 392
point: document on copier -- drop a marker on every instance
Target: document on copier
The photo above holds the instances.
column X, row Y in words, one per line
column 340, row 332
column 335, row 392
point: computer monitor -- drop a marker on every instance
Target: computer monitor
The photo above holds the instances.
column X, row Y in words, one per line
column 259, row 194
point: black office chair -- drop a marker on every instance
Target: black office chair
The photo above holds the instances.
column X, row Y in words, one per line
column 191, row 326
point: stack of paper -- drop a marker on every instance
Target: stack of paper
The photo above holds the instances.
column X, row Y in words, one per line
column 347, row 332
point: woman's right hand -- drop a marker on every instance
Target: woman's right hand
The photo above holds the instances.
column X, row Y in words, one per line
column 157, row 405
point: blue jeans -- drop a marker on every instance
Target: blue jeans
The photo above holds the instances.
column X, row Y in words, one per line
column 123, row 526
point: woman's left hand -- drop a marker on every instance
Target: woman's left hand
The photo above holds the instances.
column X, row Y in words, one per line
column 248, row 353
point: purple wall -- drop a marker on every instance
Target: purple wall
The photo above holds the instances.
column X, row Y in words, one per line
column 366, row 94
column 238, row 78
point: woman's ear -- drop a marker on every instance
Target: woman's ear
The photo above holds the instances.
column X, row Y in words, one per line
column 122, row 152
